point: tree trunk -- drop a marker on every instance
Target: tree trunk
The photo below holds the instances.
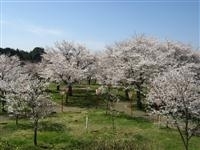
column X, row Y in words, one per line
column 131, row 107
column 187, row 145
column 70, row 93
column 139, row 99
column 184, row 139
column 89, row 81
column 35, row 131
column 66, row 97
column 95, row 81
column 16, row 119
column 107, row 107
column 62, row 103
column 186, row 129
column 3, row 106
column 58, row 87
column 126, row 94
column 108, row 100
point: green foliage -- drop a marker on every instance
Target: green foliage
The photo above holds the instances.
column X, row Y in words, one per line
column 32, row 56
column 36, row 53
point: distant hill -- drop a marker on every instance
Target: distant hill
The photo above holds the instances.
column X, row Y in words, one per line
column 33, row 56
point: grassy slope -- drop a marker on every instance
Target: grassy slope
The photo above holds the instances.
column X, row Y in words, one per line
column 67, row 130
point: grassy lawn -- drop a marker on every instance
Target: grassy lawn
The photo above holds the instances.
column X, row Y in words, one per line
column 67, row 130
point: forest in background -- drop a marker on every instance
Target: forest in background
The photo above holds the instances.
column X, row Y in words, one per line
column 32, row 56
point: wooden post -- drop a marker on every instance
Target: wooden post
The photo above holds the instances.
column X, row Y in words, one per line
column 130, row 98
column 62, row 103
column 86, row 122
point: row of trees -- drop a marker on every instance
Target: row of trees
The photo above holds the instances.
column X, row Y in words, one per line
column 164, row 75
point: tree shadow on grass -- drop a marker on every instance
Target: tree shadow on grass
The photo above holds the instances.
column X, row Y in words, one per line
column 20, row 126
column 134, row 118
column 86, row 101
column 49, row 126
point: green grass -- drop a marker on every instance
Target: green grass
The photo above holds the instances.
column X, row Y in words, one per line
column 67, row 130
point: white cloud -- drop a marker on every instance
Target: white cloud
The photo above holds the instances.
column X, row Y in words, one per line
column 42, row 31
column 23, row 26
column 31, row 30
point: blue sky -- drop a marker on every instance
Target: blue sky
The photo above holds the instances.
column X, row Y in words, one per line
column 27, row 24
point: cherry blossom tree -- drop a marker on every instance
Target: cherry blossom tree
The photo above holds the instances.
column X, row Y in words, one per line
column 90, row 72
column 24, row 92
column 38, row 101
column 15, row 100
column 27, row 95
column 10, row 70
column 34, row 69
column 136, row 61
column 108, row 69
column 177, row 94
column 67, row 62
column 131, row 64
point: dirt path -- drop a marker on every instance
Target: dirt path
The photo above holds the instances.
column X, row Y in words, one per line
column 3, row 119
column 125, row 108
